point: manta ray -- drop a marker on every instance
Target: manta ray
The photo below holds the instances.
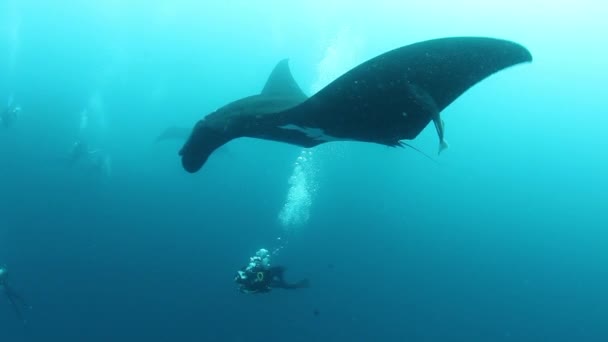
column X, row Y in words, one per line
column 280, row 91
column 387, row 99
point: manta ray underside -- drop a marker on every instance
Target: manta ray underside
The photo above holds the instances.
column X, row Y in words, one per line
column 389, row 98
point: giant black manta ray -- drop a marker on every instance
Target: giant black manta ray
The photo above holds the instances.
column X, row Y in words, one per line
column 389, row 98
column 280, row 91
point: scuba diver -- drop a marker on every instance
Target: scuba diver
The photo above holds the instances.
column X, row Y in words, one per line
column 81, row 155
column 259, row 277
column 80, row 151
column 9, row 116
column 92, row 160
column 13, row 297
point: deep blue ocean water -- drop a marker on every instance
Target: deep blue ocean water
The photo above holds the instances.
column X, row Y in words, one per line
column 504, row 239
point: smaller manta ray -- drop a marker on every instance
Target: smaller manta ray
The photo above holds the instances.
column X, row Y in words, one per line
column 385, row 100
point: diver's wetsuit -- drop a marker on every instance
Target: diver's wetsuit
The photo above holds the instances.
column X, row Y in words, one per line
column 261, row 280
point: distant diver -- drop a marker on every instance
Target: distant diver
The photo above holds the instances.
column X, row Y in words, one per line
column 79, row 151
column 259, row 277
column 10, row 115
column 92, row 159
column 385, row 100
column 16, row 300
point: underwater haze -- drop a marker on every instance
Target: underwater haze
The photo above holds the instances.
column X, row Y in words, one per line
column 503, row 238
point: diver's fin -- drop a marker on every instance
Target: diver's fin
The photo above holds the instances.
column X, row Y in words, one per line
column 16, row 308
column 303, row 284
column 281, row 82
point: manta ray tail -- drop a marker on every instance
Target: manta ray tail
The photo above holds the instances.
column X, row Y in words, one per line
column 404, row 144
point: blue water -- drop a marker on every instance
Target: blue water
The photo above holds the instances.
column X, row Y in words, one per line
column 504, row 239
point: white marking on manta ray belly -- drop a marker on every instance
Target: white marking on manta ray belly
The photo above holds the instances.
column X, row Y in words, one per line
column 313, row 133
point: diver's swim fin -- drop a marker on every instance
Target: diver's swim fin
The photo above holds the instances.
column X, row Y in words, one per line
column 16, row 309
column 302, row 284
